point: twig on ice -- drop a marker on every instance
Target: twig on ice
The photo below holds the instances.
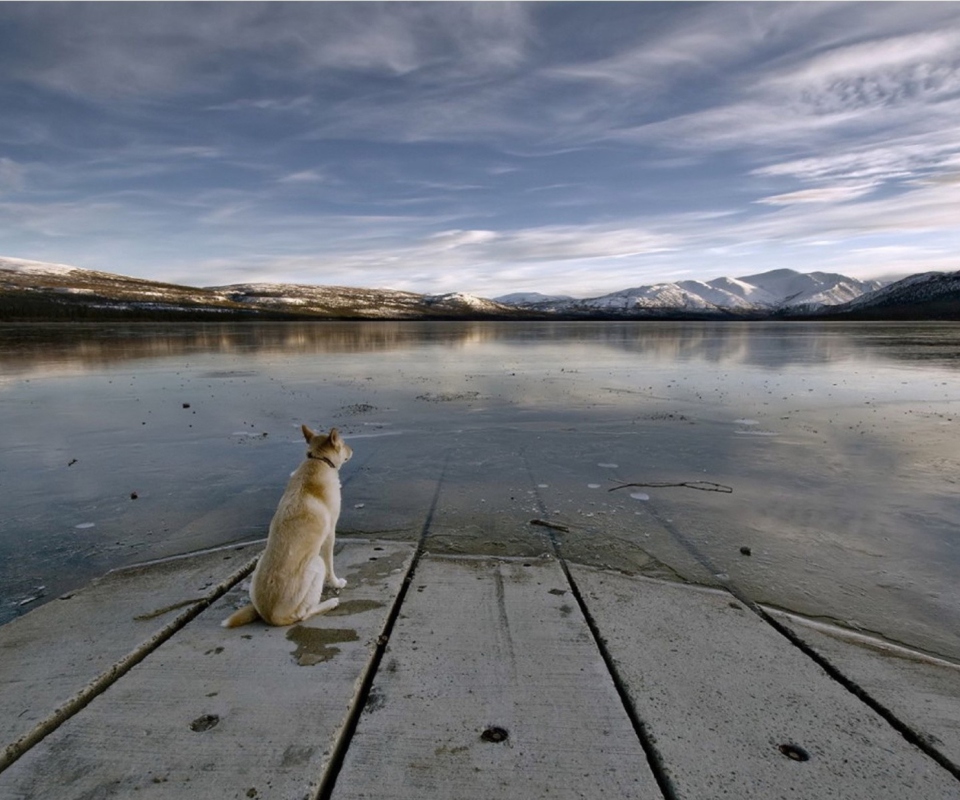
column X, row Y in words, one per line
column 543, row 523
column 703, row 486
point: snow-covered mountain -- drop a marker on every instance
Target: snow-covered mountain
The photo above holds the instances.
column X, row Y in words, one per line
column 793, row 289
column 768, row 291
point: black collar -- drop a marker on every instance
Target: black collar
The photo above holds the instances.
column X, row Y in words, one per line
column 322, row 458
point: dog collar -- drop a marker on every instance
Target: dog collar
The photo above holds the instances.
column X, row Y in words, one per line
column 322, row 458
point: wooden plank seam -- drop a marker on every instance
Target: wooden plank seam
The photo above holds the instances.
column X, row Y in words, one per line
column 853, row 687
column 329, row 779
column 654, row 759
column 834, row 672
column 901, row 727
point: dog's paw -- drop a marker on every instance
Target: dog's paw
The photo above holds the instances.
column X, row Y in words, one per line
column 339, row 583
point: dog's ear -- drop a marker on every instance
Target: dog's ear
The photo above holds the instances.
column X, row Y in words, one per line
column 335, row 437
column 307, row 433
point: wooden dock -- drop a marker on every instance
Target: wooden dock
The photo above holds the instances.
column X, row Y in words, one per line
column 450, row 677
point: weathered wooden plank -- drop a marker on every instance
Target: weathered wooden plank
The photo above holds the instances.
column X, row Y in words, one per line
column 55, row 651
column 727, row 699
column 483, row 646
column 922, row 691
column 246, row 712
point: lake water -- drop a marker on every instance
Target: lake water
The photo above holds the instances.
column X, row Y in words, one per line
column 839, row 442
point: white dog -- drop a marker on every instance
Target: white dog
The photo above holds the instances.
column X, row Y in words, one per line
column 298, row 560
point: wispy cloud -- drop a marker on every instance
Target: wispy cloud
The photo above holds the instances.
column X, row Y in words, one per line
column 472, row 260
column 300, row 103
column 12, row 175
column 901, row 69
column 826, row 194
column 453, row 249
column 880, row 161
column 880, row 82
column 304, row 176
column 918, row 210
column 109, row 51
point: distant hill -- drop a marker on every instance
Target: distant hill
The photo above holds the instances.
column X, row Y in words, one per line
column 528, row 298
column 345, row 302
column 35, row 290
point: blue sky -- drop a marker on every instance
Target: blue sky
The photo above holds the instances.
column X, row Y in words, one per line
column 575, row 148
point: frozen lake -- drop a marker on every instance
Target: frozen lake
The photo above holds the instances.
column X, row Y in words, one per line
column 839, row 441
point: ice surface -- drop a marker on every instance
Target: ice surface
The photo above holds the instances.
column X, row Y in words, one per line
column 849, row 509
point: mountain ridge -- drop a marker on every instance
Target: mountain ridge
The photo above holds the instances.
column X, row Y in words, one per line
column 33, row 290
column 931, row 295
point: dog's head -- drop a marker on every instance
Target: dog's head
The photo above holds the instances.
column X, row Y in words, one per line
column 327, row 445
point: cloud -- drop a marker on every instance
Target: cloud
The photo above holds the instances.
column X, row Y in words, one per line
column 403, row 38
column 885, row 83
column 304, row 176
column 884, row 160
column 480, row 72
column 548, row 243
column 652, row 66
column 469, row 260
column 827, row 194
column 65, row 220
column 298, row 103
column 12, row 175
column 901, row 68
column 922, row 209
column 101, row 51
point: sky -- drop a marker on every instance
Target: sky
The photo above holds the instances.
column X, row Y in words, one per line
column 564, row 148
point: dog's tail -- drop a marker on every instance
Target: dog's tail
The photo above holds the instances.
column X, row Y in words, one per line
column 241, row 617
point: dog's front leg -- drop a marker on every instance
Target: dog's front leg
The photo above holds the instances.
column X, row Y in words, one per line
column 326, row 552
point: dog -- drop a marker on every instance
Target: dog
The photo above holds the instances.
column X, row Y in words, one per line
column 298, row 559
